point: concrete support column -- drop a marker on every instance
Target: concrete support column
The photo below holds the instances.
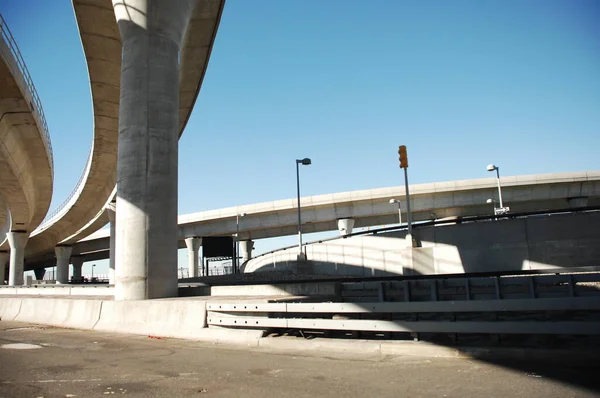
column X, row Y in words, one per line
column 17, row 242
column 111, row 211
column 63, row 258
column 77, row 262
column 345, row 226
column 4, row 256
column 193, row 244
column 146, row 247
column 246, row 247
column 39, row 273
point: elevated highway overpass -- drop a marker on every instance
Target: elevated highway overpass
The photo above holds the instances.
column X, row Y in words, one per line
column 369, row 208
column 26, row 162
column 84, row 210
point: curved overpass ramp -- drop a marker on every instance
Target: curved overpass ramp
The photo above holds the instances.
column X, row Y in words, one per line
column 26, row 163
column 84, row 210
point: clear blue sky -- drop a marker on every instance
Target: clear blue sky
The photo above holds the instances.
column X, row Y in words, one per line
column 461, row 83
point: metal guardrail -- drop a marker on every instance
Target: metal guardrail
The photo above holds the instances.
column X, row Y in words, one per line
column 547, row 304
column 75, row 192
column 14, row 49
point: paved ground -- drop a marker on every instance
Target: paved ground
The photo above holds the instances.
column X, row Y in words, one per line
column 73, row 363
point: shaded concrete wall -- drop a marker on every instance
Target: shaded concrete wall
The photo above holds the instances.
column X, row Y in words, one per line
column 566, row 240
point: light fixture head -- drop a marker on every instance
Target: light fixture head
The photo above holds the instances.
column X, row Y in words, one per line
column 243, row 215
column 305, row 161
column 489, row 201
column 392, row 201
column 491, row 167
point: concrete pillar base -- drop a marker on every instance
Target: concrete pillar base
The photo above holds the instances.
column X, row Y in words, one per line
column 4, row 256
column 63, row 258
column 193, row 244
column 246, row 247
column 111, row 210
column 17, row 242
column 39, row 273
column 77, row 262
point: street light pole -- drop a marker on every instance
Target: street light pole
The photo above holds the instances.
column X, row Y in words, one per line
column 305, row 162
column 394, row 201
column 499, row 187
column 493, row 167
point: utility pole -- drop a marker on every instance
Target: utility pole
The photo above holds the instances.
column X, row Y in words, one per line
column 404, row 165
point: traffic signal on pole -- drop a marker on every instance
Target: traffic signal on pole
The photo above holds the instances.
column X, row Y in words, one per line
column 403, row 156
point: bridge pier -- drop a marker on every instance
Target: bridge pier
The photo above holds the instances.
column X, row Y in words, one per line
column 146, row 218
column 77, row 264
column 193, row 244
column 4, row 256
column 17, row 242
column 345, row 225
column 39, row 273
column 63, row 257
column 111, row 210
column 246, row 247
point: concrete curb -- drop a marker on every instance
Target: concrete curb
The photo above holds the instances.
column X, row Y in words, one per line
column 377, row 350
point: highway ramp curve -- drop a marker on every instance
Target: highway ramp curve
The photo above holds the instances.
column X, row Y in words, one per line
column 26, row 160
column 84, row 210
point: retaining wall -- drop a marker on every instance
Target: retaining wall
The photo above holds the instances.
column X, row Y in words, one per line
column 543, row 242
column 178, row 318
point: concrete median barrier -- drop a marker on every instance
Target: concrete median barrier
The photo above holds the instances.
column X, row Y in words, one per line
column 9, row 308
column 8, row 291
column 165, row 318
column 80, row 314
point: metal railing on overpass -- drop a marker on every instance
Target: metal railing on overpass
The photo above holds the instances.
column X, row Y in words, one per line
column 68, row 201
column 37, row 106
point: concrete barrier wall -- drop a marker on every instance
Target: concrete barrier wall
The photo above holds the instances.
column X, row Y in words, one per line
column 180, row 318
column 81, row 314
column 9, row 308
column 544, row 242
column 359, row 256
column 49, row 290
column 168, row 318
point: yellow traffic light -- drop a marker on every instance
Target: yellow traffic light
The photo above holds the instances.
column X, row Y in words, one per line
column 403, row 156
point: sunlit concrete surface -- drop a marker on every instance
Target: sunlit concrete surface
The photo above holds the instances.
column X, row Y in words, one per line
column 26, row 164
column 545, row 242
column 145, row 366
column 83, row 212
column 370, row 208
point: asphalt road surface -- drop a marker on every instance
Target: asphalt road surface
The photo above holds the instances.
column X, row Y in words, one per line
column 47, row 362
